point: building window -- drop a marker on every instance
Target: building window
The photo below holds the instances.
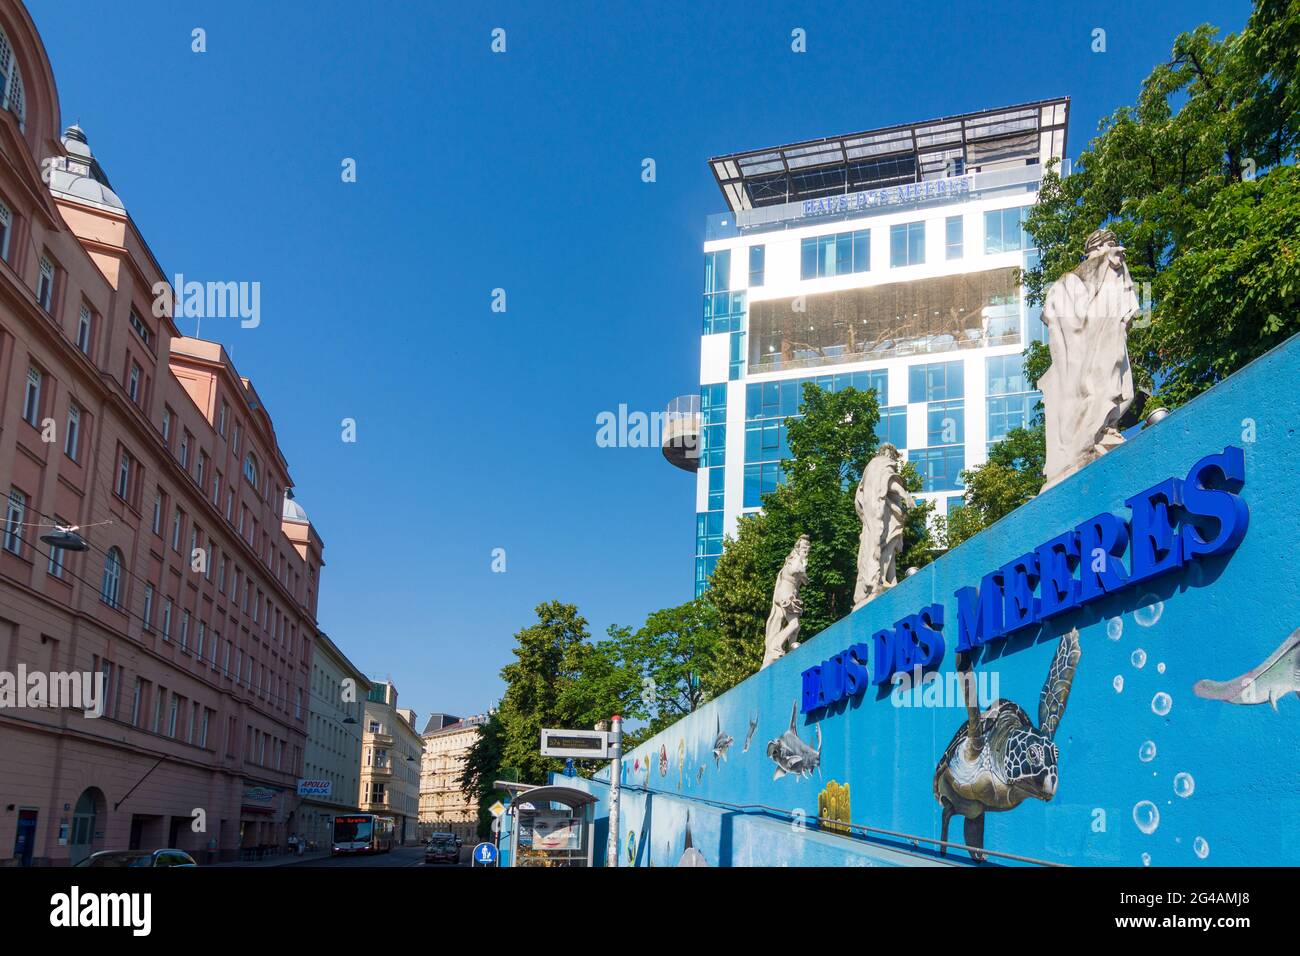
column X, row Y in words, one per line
column 123, row 488
column 141, row 329
column 185, row 451
column 133, row 384
column 55, row 567
column 15, row 514
column 83, row 330
column 72, row 435
column 1004, row 230
column 45, row 285
column 907, row 244
column 176, row 530
column 945, row 423
column 836, row 254
column 757, row 265
column 940, row 468
column 167, row 619
column 198, row 468
column 936, row 382
column 6, row 227
column 147, row 613
column 172, row 714
column 110, row 588
column 32, row 398
column 250, row 469
column 167, row 426
column 157, row 511
column 954, row 235
column 221, row 419
column 185, row 630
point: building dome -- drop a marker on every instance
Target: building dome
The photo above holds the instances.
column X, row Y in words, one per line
column 294, row 511
column 78, row 175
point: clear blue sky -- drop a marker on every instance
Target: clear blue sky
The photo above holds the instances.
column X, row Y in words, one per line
column 476, row 430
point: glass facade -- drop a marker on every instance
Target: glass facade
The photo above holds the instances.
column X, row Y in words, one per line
column 713, row 425
column 769, row 404
column 935, row 382
column 954, row 237
column 918, row 317
column 1004, row 230
column 836, row 254
column 724, row 310
column 1010, row 403
column 757, row 265
column 713, row 458
column 907, row 244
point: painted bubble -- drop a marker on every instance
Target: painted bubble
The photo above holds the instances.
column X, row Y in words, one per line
column 1162, row 703
column 1147, row 816
column 1149, row 613
column 1115, row 628
column 1184, row 785
column 1161, row 667
column 1118, row 683
column 1147, row 752
column 1200, row 847
column 1146, row 859
column 1139, row 658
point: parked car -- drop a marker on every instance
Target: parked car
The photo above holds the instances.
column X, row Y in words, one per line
column 442, row 848
column 138, row 858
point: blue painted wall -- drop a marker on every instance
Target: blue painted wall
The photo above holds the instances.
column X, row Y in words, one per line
column 1224, row 779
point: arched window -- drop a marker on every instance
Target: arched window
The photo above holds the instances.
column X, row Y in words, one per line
column 110, row 589
column 12, row 97
column 250, row 469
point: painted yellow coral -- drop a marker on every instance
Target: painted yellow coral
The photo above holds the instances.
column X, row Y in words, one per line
column 833, row 808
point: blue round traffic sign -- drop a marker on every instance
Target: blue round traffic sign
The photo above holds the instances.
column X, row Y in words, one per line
column 485, row 854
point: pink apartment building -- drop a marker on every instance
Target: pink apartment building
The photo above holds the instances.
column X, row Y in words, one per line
column 197, row 597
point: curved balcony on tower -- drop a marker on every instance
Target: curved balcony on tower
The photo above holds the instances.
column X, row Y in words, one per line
column 680, row 437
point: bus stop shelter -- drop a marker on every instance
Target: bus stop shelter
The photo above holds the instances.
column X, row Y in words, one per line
column 549, row 825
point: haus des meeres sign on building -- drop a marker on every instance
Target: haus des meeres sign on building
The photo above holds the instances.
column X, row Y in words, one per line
column 1172, row 524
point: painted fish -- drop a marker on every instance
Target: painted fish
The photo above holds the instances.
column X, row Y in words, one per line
column 791, row 754
column 753, row 726
column 1272, row 680
column 663, row 760
column 721, row 742
column 700, row 776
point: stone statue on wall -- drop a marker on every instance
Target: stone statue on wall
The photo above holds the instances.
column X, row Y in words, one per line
column 1089, row 386
column 783, row 621
column 881, row 503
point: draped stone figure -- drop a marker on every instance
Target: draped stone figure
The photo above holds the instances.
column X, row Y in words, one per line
column 1090, row 384
column 881, row 503
column 783, row 620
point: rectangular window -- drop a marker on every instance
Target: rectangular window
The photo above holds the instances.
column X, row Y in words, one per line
column 173, row 714
column 15, row 515
column 123, row 487
column 157, row 511
column 84, row 330
column 32, row 398
column 1004, row 230
column 199, row 466
column 147, row 613
column 55, row 567
column 159, row 699
column 836, row 254
column 176, row 531
column 72, row 435
column 141, row 329
column 936, row 382
column 135, row 702
column 185, row 630
column 203, row 727
column 185, row 451
column 167, row 619
column 717, row 271
column 167, row 426
column 133, row 384
column 940, row 468
column 199, row 637
column 757, row 264
column 954, row 235
column 6, row 227
column 45, row 285
column 907, row 244
column 945, row 423
column 221, row 419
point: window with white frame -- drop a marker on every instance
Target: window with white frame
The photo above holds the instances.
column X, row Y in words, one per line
column 6, row 227
column 123, row 487
column 250, row 469
column 167, row 619
column 32, row 398
column 45, row 285
column 147, row 613
column 55, row 567
column 15, row 515
column 110, row 587
column 133, row 383
column 84, row 330
column 72, row 434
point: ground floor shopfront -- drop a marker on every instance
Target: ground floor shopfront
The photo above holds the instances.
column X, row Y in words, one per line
column 65, row 795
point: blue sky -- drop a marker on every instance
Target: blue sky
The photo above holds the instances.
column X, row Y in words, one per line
column 476, row 171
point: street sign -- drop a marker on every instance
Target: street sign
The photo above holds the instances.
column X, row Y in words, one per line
column 485, row 854
column 581, row 744
column 497, row 809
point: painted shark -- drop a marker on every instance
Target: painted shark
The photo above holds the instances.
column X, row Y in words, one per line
column 721, row 742
column 791, row 754
column 753, row 726
column 1272, row 680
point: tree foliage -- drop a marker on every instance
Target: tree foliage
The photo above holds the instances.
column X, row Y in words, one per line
column 1198, row 181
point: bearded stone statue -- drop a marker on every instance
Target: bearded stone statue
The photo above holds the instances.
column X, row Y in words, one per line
column 881, row 503
column 1089, row 386
column 783, row 620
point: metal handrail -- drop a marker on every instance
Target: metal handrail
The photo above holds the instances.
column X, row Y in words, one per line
column 912, row 837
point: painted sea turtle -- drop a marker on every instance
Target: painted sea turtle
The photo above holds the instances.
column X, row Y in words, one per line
column 998, row 758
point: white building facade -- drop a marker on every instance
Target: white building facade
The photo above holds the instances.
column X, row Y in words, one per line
column 887, row 260
column 332, row 763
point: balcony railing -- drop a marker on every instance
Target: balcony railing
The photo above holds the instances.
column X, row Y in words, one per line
column 681, row 432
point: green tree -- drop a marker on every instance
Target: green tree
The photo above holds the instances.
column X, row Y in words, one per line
column 830, row 446
column 673, row 650
column 1198, row 181
column 1012, row 475
column 483, row 767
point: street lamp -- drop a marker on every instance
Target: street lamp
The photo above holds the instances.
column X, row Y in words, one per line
column 65, row 538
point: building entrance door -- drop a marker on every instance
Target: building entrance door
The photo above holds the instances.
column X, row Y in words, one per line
column 87, row 816
column 25, row 838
